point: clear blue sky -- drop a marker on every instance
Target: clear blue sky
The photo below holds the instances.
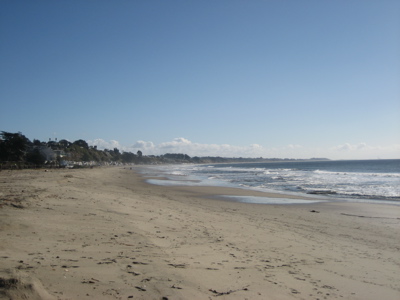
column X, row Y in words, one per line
column 232, row 78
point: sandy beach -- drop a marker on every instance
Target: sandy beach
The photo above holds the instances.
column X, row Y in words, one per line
column 106, row 234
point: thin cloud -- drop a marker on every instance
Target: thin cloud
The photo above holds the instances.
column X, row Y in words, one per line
column 290, row 146
column 185, row 146
column 102, row 144
column 365, row 151
column 350, row 147
column 143, row 145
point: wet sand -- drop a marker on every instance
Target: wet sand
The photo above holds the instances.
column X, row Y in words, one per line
column 106, row 234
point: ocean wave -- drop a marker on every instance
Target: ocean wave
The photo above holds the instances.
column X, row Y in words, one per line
column 177, row 173
column 337, row 180
column 322, row 192
column 385, row 175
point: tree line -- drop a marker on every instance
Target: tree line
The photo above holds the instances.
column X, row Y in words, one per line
column 16, row 150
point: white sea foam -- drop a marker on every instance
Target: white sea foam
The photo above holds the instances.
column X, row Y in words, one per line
column 177, row 173
column 336, row 180
column 393, row 175
column 185, row 182
column 268, row 200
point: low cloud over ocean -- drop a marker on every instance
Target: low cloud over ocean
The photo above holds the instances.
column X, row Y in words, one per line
column 183, row 145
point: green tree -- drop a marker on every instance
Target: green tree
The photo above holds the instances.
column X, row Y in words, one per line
column 36, row 142
column 81, row 143
column 35, row 157
column 64, row 143
column 128, row 157
column 86, row 156
column 13, row 146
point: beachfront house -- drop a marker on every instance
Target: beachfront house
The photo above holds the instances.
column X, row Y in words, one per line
column 49, row 154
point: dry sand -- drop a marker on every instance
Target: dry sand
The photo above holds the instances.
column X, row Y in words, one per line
column 105, row 234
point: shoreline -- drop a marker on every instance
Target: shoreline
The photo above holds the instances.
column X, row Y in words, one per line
column 105, row 233
column 176, row 181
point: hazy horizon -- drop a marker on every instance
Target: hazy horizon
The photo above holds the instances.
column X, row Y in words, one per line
column 286, row 79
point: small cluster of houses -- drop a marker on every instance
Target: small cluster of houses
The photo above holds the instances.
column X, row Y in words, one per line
column 49, row 154
column 59, row 158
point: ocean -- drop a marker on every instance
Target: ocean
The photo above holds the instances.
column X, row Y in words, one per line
column 375, row 181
